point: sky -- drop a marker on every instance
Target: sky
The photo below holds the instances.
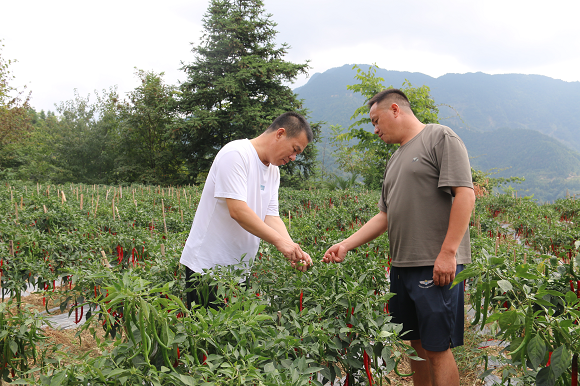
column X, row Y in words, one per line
column 64, row 45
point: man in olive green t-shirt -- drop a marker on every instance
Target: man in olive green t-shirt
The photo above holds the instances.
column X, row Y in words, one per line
column 425, row 205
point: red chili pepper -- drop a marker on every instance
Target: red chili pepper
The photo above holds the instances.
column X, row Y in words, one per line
column 549, row 359
column 301, row 296
column 366, row 361
column 77, row 318
column 578, row 286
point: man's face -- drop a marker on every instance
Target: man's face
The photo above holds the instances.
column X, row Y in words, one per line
column 382, row 119
column 286, row 149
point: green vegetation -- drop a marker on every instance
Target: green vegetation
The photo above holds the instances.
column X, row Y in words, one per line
column 163, row 134
column 117, row 260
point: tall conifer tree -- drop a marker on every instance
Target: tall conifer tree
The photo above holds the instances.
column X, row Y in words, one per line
column 235, row 87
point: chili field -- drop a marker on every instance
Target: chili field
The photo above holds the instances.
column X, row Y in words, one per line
column 109, row 255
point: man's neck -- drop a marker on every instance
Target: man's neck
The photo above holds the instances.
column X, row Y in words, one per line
column 260, row 144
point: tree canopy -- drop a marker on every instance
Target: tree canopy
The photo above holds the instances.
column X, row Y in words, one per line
column 361, row 152
column 237, row 84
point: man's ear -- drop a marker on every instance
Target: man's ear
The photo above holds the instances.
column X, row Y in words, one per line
column 281, row 132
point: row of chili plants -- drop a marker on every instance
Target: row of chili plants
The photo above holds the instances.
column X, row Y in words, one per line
column 284, row 327
column 525, row 285
column 116, row 266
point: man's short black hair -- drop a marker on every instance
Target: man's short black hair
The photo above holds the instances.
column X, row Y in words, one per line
column 293, row 123
column 392, row 94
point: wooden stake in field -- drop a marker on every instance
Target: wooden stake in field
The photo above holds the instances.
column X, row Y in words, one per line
column 120, row 191
column 63, row 197
column 21, row 202
column 44, row 206
column 11, row 248
column 81, row 201
column 11, row 195
column 525, row 257
column 113, row 207
column 104, row 260
column 96, row 207
column 163, row 211
column 163, row 250
column 38, row 188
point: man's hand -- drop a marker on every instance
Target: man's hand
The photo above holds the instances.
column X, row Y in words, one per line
column 444, row 269
column 335, row 254
column 295, row 255
column 304, row 264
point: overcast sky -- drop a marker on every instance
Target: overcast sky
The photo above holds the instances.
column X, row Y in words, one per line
column 62, row 45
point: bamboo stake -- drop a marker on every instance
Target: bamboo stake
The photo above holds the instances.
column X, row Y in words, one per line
column 96, row 207
column 113, row 207
column 118, row 216
column 11, row 248
column 81, row 201
column 63, row 197
column 44, row 206
column 104, row 260
column 21, row 202
column 163, row 211
column 11, row 196
column 525, row 257
column 163, row 250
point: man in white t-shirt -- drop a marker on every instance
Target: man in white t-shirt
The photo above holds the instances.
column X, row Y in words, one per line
column 239, row 203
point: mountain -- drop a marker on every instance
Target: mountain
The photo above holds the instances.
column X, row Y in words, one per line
column 513, row 112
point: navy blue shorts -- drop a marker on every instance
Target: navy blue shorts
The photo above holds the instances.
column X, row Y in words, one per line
column 428, row 312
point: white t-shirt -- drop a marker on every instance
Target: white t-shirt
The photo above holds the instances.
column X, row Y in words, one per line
column 215, row 238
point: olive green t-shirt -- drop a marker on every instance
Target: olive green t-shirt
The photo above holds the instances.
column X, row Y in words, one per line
column 417, row 196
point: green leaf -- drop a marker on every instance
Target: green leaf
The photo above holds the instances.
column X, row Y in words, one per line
column 57, row 380
column 536, row 350
column 560, row 361
column 545, row 377
column 571, row 298
column 505, row 285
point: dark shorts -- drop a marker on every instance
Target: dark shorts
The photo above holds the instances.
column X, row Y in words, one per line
column 428, row 312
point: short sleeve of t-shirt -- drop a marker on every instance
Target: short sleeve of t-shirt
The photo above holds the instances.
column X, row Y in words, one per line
column 273, row 205
column 453, row 162
column 231, row 181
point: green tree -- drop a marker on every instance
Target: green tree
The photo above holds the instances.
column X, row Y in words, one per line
column 361, row 152
column 15, row 120
column 86, row 139
column 147, row 117
column 236, row 86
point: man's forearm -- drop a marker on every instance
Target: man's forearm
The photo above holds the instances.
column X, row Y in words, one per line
column 375, row 227
column 276, row 223
column 249, row 220
column 458, row 219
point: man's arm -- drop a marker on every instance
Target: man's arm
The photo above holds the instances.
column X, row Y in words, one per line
column 276, row 223
column 375, row 227
column 249, row 220
column 446, row 264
